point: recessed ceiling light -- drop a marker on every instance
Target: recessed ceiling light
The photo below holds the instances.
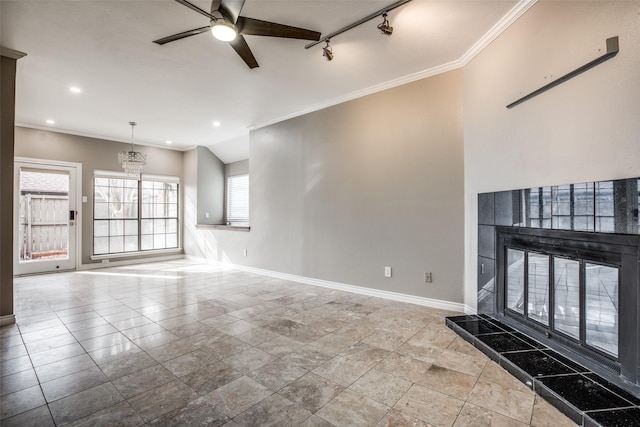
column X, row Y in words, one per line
column 169, row 142
column 75, row 89
column 50, row 122
column 216, row 124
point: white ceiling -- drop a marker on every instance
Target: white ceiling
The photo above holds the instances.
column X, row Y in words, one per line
column 176, row 91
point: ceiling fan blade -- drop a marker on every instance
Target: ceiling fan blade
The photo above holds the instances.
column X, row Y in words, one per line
column 239, row 44
column 195, row 8
column 215, row 5
column 256, row 27
column 231, row 9
column 182, row 35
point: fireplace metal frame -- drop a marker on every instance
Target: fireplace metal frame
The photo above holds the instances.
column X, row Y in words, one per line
column 620, row 250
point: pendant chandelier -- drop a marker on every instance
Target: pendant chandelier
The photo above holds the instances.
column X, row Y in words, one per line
column 132, row 161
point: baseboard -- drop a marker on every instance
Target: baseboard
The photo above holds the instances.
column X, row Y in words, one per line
column 8, row 319
column 395, row 296
column 469, row 310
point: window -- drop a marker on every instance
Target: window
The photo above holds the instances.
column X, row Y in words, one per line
column 238, row 200
column 125, row 222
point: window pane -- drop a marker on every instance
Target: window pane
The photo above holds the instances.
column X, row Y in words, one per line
column 116, row 228
column 566, row 285
column 100, row 228
column 101, row 194
column 116, row 244
column 583, row 198
column 147, row 242
column 101, row 210
column 131, row 228
column 561, row 207
column 147, row 210
column 604, row 207
column 601, row 311
column 238, row 199
column 172, row 240
column 159, row 210
column 515, row 280
column 130, row 210
column 158, row 226
column 172, row 226
column 538, row 288
column 131, row 243
column 159, row 241
column 100, row 245
column 147, row 226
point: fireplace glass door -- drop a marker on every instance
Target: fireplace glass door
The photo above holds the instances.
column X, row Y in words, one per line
column 566, row 293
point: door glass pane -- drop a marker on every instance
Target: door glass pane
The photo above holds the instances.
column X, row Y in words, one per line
column 538, row 290
column 601, row 311
column 515, row 280
column 43, row 232
column 566, row 285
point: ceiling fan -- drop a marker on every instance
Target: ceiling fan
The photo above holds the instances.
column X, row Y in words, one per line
column 226, row 24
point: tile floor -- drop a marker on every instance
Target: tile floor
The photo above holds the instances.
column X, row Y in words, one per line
column 182, row 343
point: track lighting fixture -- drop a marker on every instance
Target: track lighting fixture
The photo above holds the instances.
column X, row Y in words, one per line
column 385, row 28
column 327, row 52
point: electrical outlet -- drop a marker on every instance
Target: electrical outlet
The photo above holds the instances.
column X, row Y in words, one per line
column 105, row 261
column 387, row 272
column 206, row 215
column 244, row 252
column 427, row 277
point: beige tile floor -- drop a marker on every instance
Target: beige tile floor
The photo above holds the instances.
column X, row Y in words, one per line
column 182, row 343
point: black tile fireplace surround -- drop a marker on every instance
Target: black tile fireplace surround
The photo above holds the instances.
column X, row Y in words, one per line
column 604, row 387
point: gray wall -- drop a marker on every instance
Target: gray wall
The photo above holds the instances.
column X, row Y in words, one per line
column 93, row 154
column 210, row 187
column 341, row 193
column 583, row 130
column 236, row 168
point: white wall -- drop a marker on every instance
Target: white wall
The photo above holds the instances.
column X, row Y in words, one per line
column 587, row 129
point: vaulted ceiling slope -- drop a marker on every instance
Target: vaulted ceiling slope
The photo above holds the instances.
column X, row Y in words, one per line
column 176, row 92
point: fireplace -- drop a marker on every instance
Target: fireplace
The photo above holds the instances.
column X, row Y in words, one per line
column 561, row 265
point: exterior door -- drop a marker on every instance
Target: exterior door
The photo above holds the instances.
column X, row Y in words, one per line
column 46, row 217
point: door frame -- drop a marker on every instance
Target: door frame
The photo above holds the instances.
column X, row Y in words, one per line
column 43, row 163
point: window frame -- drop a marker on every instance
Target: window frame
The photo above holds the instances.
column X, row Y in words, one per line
column 230, row 219
column 139, row 216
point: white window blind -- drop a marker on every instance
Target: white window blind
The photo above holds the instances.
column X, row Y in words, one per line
column 238, row 200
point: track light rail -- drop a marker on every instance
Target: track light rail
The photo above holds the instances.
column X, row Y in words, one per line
column 359, row 22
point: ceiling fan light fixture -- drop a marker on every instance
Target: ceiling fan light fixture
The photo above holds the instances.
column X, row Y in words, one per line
column 385, row 28
column 327, row 52
column 224, row 31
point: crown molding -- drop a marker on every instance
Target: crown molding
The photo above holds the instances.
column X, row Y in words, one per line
column 10, row 53
column 505, row 22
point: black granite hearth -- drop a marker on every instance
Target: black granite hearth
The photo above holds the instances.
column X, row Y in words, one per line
column 583, row 396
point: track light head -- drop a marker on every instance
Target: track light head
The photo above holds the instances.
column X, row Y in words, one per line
column 385, row 28
column 327, row 52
